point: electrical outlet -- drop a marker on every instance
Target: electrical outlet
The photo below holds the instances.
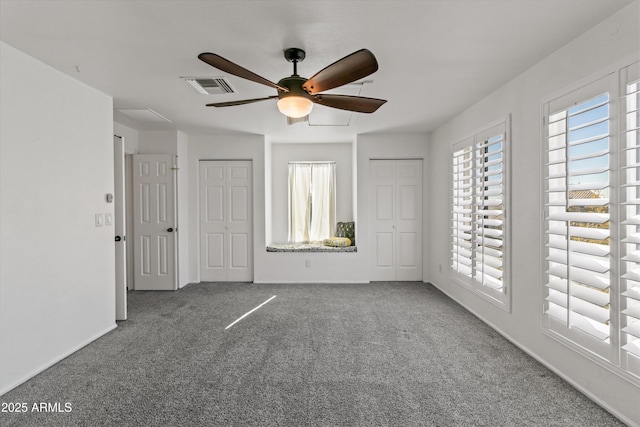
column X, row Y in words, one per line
column 307, row 263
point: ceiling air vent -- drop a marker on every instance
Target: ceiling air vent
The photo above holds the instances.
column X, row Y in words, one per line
column 210, row 85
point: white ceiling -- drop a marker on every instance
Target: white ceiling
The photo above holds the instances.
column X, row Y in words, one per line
column 436, row 57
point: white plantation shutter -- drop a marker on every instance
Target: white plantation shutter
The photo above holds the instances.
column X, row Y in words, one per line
column 577, row 190
column 462, row 227
column 489, row 186
column 478, row 215
column 630, row 222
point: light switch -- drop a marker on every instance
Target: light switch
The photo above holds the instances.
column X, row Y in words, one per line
column 99, row 220
column 108, row 219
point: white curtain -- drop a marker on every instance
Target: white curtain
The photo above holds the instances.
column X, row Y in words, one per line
column 299, row 201
column 323, row 201
column 312, row 201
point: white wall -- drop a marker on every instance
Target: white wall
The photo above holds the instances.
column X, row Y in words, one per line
column 281, row 267
column 282, row 154
column 268, row 205
column 130, row 136
column 270, row 191
column 157, row 142
column 57, row 270
column 607, row 43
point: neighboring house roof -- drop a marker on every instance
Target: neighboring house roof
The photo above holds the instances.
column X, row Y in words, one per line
column 583, row 194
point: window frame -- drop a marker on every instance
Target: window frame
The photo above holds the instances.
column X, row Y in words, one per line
column 608, row 355
column 562, row 105
column 331, row 191
column 502, row 298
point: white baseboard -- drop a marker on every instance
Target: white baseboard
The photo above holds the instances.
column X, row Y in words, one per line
column 308, row 282
column 56, row 360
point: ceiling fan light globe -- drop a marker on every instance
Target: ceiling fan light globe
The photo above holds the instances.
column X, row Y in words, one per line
column 295, row 106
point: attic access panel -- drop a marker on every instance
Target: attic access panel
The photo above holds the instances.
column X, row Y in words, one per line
column 144, row 115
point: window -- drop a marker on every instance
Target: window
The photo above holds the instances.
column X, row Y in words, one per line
column 312, row 201
column 578, row 219
column 592, row 220
column 479, row 213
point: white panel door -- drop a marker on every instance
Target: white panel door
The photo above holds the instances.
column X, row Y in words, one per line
column 226, row 240
column 396, row 219
column 383, row 219
column 240, row 224
column 119, row 218
column 408, row 224
column 213, row 221
column 154, row 222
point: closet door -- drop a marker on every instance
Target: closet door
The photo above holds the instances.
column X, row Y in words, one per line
column 226, row 241
column 396, row 219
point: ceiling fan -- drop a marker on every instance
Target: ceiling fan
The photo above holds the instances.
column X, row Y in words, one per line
column 297, row 95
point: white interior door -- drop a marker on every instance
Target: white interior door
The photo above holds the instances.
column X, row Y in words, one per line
column 383, row 219
column 119, row 227
column 154, row 222
column 408, row 224
column 226, row 238
column 396, row 219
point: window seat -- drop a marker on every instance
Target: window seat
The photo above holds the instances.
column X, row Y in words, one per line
column 308, row 247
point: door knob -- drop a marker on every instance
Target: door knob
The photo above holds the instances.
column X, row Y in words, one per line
column 169, row 229
column 118, row 238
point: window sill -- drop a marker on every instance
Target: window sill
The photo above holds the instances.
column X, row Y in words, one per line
column 308, row 247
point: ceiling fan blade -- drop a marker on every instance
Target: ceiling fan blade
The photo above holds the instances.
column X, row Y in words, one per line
column 358, row 104
column 225, row 65
column 346, row 70
column 240, row 102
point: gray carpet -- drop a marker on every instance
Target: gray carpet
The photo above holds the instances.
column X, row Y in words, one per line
column 380, row 354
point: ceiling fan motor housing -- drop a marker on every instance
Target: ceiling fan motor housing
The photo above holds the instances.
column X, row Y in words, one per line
column 295, row 103
column 294, row 84
column 293, row 54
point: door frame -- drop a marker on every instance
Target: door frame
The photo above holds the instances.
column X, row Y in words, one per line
column 166, row 165
column 251, row 244
column 119, row 222
column 129, row 243
column 394, row 273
